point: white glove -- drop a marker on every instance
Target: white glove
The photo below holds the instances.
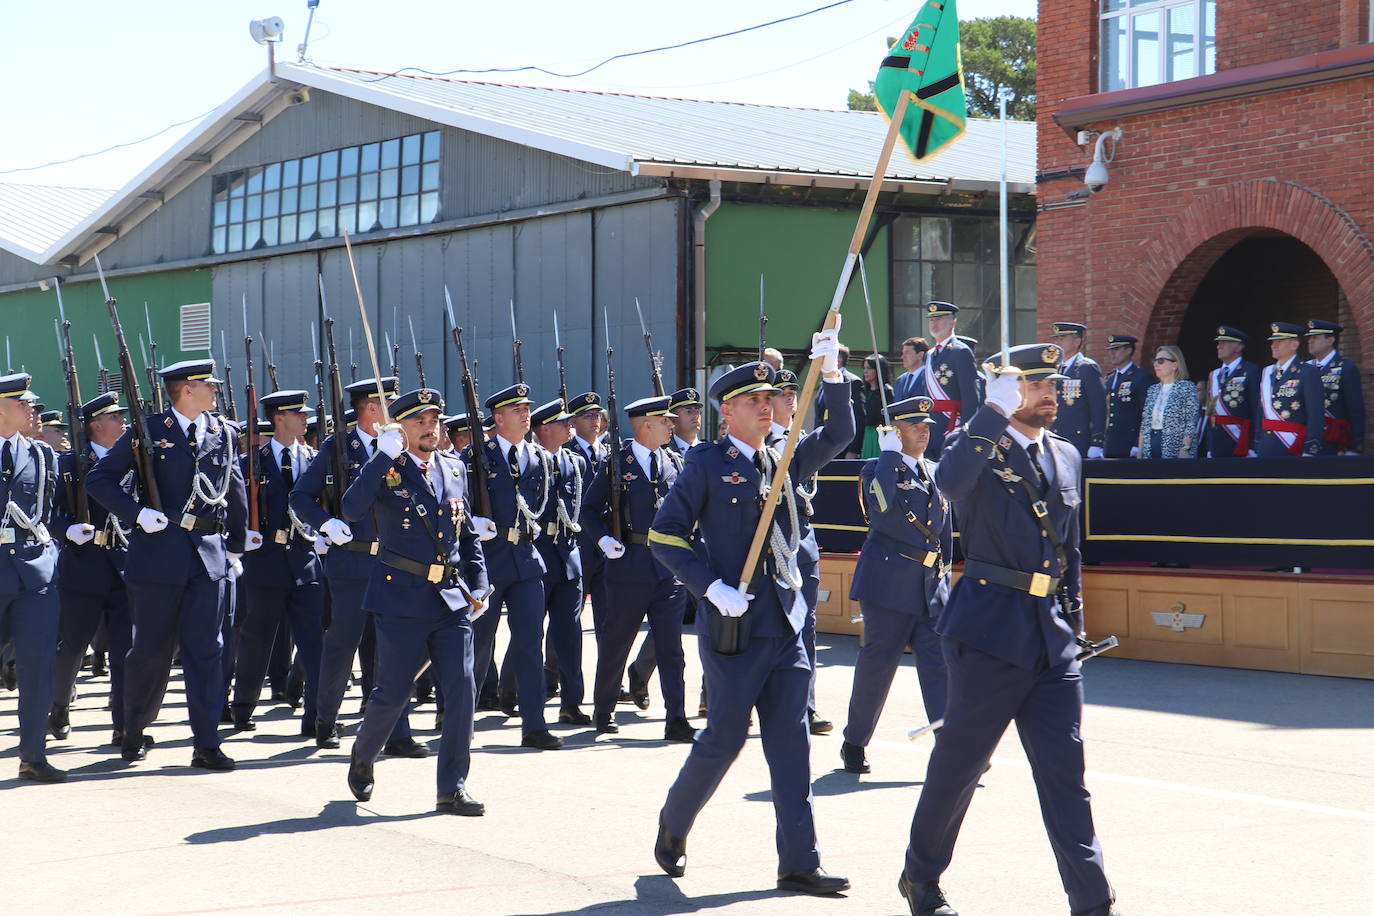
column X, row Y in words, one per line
column 889, row 441
column 612, row 548
column 1135, row 451
column 1251, row 454
column 1095, row 451
column 151, row 521
column 81, row 533
column 1004, row 392
column 731, row 602
column 336, row 531
column 485, row 527
column 825, row 346
column 391, row 442
column 252, row 541
column 236, row 563
column 478, row 607
column 321, row 546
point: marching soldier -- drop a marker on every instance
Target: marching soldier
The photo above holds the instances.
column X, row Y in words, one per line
column 426, row 586
column 950, row 379
column 282, row 584
column 1126, row 386
column 90, row 575
column 720, row 491
column 588, row 417
column 685, row 406
column 1233, row 396
column 28, row 558
column 1082, row 400
column 54, row 431
column 460, row 432
column 902, row 578
column 348, row 565
column 637, row 584
column 177, row 574
column 1292, row 399
column 1015, row 489
column 1344, row 429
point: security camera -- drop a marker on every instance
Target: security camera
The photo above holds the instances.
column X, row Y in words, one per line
column 1096, row 177
column 266, row 29
column 298, row 96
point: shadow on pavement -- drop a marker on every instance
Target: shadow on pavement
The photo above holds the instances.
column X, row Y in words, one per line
column 659, row 895
column 333, row 814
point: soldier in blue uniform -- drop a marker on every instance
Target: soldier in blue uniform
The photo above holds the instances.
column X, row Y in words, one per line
column 1015, row 489
column 90, row 574
column 348, row 565
column 520, row 489
column 177, row 568
column 1344, row 430
column 1126, row 386
column 282, row 585
column 1233, row 394
column 720, row 491
column 637, row 584
column 950, row 378
column 1082, row 400
column 428, row 583
column 29, row 605
column 902, row 578
column 1292, row 399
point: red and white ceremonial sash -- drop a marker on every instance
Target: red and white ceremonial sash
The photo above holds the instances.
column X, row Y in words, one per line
column 1287, row 431
column 942, row 404
column 1237, row 428
column 1334, row 429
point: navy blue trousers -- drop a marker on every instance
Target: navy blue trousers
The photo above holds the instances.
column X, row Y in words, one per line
column 887, row 634
column 811, row 589
column 985, row 695
column 770, row 675
column 29, row 618
column 81, row 616
column 524, row 603
column 346, row 637
column 165, row 616
column 268, row 614
column 663, row 603
column 563, row 643
column 404, row 645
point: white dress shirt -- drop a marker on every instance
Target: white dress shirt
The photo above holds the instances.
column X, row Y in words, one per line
column 1046, row 464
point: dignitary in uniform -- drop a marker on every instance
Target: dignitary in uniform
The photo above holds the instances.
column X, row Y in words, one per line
column 1126, row 386
column 1344, row 430
column 1082, row 401
column 638, row 586
column 1292, row 399
column 282, row 587
column 177, row 568
column 902, row 578
column 316, row 500
column 90, row 572
column 760, row 622
column 950, row 379
column 1015, row 490
column 1233, row 397
column 426, row 587
column 29, row 606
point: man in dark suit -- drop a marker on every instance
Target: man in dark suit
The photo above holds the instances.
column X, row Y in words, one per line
column 950, row 378
column 1126, row 385
column 1344, row 430
column 1233, row 395
column 1291, row 406
column 177, row 569
column 1015, row 490
column 914, row 351
column 1082, row 402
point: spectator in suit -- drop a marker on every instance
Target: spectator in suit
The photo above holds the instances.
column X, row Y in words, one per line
column 773, row 357
column 875, row 374
column 914, row 351
column 1170, row 420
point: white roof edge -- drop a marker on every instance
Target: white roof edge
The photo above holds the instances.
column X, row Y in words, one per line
column 382, row 97
column 20, row 251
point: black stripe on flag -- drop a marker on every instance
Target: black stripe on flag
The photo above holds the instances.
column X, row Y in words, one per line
column 938, row 87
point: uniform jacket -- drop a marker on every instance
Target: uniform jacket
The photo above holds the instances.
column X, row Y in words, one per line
column 1125, row 402
column 1082, row 405
column 1297, row 396
column 997, row 525
column 398, row 495
column 29, row 563
column 837, row 432
column 276, row 565
column 1344, row 400
column 310, row 489
column 639, row 501
column 1241, row 396
column 593, row 560
column 557, row 544
column 171, row 555
column 507, row 562
column 1180, row 420
column 891, row 570
column 90, row 568
column 827, row 413
column 952, row 371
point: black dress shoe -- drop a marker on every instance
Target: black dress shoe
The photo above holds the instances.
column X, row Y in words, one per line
column 307, row 729
column 605, row 725
column 98, row 666
column 639, row 690
column 211, row 758
column 573, row 716
column 424, row 695
column 295, row 692
column 327, row 736
column 1103, row 909
column 815, row 881
column 226, row 715
column 670, row 852
column 488, row 703
column 244, row 723
column 42, row 771
column 679, row 730
column 854, row 758
column 360, row 781
column 506, row 700
column 407, row 747
column 818, row 725
column 624, row 696
column 541, row 741
column 924, row 897
column 59, row 722
column 461, row 804
column 117, row 737
column 279, row 696
column 438, row 720
column 135, row 747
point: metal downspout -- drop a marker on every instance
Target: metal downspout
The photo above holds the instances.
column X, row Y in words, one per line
column 699, row 218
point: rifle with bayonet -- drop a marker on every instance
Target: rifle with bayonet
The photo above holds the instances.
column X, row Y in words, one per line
column 763, row 322
column 562, row 369
column 156, row 390
column 231, row 407
column 150, row 372
column 615, row 493
column 76, row 481
column 250, row 406
column 336, row 482
column 271, row 364
column 395, row 350
column 142, row 442
column 320, row 429
column 419, row 357
column 655, row 361
column 352, row 365
column 476, row 450
column 103, row 381
column 515, row 346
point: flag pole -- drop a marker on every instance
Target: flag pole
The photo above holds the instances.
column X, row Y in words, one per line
column 832, row 316
column 1003, row 229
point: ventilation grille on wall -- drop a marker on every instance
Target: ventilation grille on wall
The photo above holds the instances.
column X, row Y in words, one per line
column 195, row 327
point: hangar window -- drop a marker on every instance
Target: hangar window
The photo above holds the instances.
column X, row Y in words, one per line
column 1145, row 42
column 364, row 188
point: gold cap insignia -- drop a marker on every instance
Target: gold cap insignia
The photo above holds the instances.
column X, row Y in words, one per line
column 760, row 372
column 425, row 396
column 1050, row 355
column 1273, row 329
column 924, row 404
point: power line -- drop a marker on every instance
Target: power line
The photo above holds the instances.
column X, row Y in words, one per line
column 108, row 149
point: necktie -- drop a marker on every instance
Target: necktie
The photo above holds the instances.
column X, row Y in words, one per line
column 7, row 460
column 191, row 435
column 424, row 470
column 653, row 467
column 1034, row 451
column 287, row 470
column 1226, row 373
column 758, row 463
column 513, row 458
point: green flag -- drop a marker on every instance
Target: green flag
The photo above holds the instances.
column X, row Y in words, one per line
column 926, row 61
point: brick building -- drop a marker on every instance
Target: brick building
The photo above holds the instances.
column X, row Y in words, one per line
column 1241, row 188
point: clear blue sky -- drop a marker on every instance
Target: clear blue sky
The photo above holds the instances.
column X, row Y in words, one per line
column 83, row 75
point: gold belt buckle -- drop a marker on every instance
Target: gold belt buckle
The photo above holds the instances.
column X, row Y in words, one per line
column 436, row 573
column 1040, row 585
column 188, row 521
column 931, row 557
column 6, row 535
column 513, row 534
column 551, row 529
column 372, row 548
column 281, row 537
column 102, row 538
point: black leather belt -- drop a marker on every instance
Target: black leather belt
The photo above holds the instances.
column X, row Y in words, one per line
column 279, row 536
column 199, row 523
column 927, row 558
column 438, row 573
column 368, row 547
column 1037, row 584
column 634, row 537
